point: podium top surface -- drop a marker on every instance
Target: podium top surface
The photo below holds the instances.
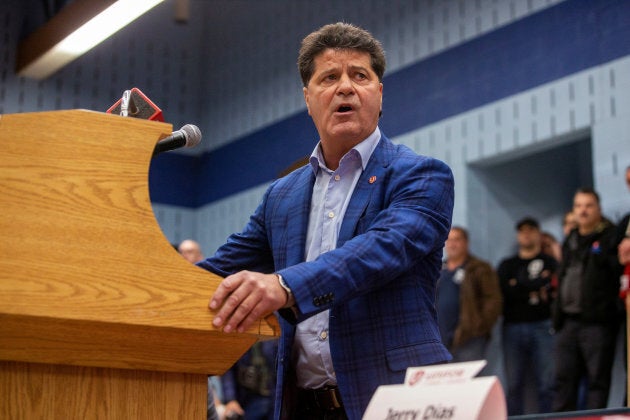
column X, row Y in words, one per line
column 86, row 274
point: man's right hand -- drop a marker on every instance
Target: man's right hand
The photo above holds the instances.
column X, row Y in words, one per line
column 243, row 298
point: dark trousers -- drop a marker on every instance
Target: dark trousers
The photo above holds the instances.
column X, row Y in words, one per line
column 303, row 414
column 583, row 349
column 322, row 404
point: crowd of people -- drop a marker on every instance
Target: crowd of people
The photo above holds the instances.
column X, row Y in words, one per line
column 562, row 306
column 347, row 250
column 565, row 300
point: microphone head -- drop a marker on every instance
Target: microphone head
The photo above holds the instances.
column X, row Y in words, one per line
column 192, row 135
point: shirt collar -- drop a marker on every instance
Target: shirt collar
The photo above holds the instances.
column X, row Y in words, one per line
column 364, row 149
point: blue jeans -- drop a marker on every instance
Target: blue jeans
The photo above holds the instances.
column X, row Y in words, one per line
column 528, row 346
column 473, row 349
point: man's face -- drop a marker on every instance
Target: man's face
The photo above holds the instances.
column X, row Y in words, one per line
column 344, row 97
column 528, row 237
column 586, row 210
column 456, row 245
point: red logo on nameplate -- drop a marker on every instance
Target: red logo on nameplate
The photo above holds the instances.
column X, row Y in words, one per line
column 372, row 179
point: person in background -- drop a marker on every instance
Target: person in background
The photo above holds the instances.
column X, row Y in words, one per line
column 623, row 239
column 569, row 223
column 469, row 300
column 550, row 246
column 240, row 400
column 623, row 253
column 586, row 311
column 526, row 284
column 347, row 248
column 190, row 250
column 249, row 386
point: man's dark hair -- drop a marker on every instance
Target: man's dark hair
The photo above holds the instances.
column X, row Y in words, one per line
column 588, row 190
column 342, row 36
column 528, row 221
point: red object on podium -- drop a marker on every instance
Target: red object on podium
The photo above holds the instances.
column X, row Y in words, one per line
column 136, row 104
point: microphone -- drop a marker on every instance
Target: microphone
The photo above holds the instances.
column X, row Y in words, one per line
column 187, row 136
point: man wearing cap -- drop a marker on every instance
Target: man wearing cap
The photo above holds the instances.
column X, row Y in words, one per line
column 525, row 280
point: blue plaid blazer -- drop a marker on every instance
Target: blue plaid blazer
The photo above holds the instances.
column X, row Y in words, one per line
column 379, row 283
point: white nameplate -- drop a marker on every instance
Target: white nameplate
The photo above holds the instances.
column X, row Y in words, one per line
column 446, row 391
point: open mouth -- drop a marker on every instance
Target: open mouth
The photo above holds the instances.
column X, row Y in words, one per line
column 344, row 108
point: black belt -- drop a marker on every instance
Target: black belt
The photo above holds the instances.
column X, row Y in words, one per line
column 326, row 399
column 572, row 317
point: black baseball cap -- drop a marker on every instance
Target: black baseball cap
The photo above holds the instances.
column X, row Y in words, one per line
column 528, row 221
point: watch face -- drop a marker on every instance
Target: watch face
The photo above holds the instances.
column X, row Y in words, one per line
column 283, row 284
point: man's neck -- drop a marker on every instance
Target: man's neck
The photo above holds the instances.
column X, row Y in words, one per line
column 453, row 263
column 332, row 155
column 334, row 149
column 588, row 229
column 528, row 253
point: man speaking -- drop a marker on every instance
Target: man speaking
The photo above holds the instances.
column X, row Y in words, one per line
column 347, row 248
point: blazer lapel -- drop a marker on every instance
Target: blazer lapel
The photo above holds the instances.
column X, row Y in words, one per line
column 371, row 177
column 298, row 213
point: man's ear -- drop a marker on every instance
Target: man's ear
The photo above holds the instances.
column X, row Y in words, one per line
column 305, row 92
column 380, row 89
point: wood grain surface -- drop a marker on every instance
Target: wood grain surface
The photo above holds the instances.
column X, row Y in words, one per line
column 39, row 391
column 87, row 277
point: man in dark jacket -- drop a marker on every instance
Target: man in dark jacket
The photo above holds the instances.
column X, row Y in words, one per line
column 586, row 315
column 525, row 280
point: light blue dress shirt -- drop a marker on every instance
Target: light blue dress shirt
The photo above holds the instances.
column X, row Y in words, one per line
column 331, row 195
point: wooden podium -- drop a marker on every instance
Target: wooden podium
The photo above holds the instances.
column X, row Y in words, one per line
column 100, row 318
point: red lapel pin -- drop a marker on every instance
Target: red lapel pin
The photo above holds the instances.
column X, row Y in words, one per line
column 372, row 179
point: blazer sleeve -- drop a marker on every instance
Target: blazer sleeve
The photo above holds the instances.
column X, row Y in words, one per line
column 399, row 235
column 247, row 250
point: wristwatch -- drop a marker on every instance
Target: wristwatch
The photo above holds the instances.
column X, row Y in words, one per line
column 286, row 288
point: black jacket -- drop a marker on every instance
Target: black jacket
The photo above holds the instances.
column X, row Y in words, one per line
column 597, row 253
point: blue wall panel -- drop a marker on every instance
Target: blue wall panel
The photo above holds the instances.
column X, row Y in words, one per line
column 175, row 179
column 556, row 42
column 546, row 46
column 257, row 158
